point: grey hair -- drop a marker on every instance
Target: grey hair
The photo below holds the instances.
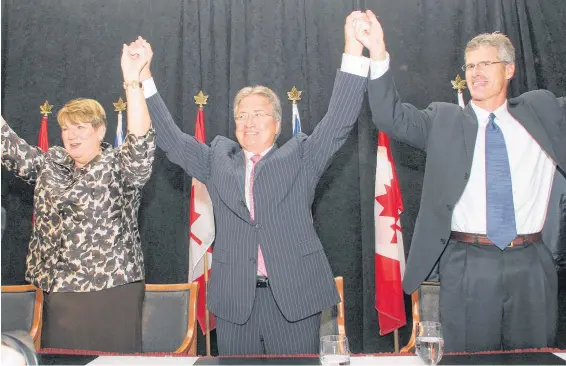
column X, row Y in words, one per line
column 505, row 48
column 262, row 91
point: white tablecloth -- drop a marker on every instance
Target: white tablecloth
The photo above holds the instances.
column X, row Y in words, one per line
column 141, row 360
column 188, row 361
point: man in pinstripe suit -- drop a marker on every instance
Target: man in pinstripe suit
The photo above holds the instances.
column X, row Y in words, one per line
column 271, row 278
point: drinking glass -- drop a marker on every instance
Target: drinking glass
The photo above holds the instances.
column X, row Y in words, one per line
column 334, row 350
column 429, row 342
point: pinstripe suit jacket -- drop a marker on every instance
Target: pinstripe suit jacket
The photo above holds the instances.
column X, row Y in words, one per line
column 284, row 186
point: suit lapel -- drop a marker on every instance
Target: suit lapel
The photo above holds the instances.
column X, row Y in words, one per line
column 528, row 119
column 239, row 168
column 470, row 131
column 260, row 164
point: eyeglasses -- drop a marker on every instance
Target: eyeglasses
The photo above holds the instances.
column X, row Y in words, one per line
column 255, row 115
column 481, row 65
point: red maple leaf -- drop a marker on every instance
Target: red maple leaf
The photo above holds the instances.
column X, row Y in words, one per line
column 193, row 216
column 390, row 209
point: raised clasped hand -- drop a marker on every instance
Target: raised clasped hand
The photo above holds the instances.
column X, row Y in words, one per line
column 135, row 57
column 369, row 33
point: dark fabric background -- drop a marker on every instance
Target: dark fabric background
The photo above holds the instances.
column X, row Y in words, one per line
column 63, row 49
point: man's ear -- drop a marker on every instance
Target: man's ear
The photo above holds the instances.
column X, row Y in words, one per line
column 509, row 71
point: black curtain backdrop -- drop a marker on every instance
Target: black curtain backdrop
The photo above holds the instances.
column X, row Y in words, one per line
column 64, row 49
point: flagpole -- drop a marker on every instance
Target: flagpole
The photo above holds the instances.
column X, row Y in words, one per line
column 295, row 95
column 459, row 84
column 396, row 340
column 201, row 100
column 207, row 314
column 119, row 106
column 43, row 140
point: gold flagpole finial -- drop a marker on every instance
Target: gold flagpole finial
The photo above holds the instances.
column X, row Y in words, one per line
column 120, row 105
column 294, row 95
column 200, row 98
column 46, row 108
column 459, row 83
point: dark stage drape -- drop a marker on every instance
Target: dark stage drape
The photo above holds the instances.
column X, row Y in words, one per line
column 64, row 49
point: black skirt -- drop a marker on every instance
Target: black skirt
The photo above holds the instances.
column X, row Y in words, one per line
column 107, row 320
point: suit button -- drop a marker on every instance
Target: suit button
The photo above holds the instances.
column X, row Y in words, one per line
column 449, row 207
column 442, row 241
column 243, row 203
column 466, row 176
column 252, row 260
column 258, row 226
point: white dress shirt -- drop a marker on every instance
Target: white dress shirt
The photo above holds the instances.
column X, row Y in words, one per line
column 532, row 172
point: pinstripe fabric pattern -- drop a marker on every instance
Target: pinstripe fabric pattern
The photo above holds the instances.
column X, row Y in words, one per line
column 285, row 180
column 261, row 270
column 268, row 332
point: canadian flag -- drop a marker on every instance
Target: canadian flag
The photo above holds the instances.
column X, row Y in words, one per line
column 202, row 233
column 389, row 251
column 43, row 139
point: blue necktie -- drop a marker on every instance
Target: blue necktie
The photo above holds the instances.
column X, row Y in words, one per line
column 501, row 228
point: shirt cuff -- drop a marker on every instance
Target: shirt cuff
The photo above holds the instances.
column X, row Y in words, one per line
column 379, row 68
column 149, row 88
column 357, row 65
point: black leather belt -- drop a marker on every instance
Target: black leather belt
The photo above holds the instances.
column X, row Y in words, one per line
column 262, row 282
column 483, row 239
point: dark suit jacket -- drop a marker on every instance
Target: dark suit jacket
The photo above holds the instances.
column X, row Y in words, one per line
column 284, row 186
column 448, row 135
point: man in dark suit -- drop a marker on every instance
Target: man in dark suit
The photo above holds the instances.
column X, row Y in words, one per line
column 486, row 188
column 270, row 277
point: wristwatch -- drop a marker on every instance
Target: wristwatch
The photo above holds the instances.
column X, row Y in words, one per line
column 134, row 84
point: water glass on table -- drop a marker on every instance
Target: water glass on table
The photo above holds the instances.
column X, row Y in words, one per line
column 429, row 342
column 334, row 350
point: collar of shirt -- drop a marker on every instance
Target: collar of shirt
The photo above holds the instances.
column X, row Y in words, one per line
column 483, row 116
column 249, row 154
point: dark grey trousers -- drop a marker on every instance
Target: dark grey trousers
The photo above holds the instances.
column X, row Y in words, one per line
column 267, row 331
column 492, row 299
column 107, row 320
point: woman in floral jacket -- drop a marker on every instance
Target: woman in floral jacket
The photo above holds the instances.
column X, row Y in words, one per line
column 85, row 251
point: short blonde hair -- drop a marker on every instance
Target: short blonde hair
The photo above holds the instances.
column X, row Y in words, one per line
column 262, row 91
column 505, row 48
column 82, row 111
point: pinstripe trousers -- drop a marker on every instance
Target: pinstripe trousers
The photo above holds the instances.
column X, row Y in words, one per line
column 267, row 331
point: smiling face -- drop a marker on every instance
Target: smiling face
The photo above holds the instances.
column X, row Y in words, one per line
column 256, row 126
column 83, row 125
column 82, row 141
column 488, row 82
